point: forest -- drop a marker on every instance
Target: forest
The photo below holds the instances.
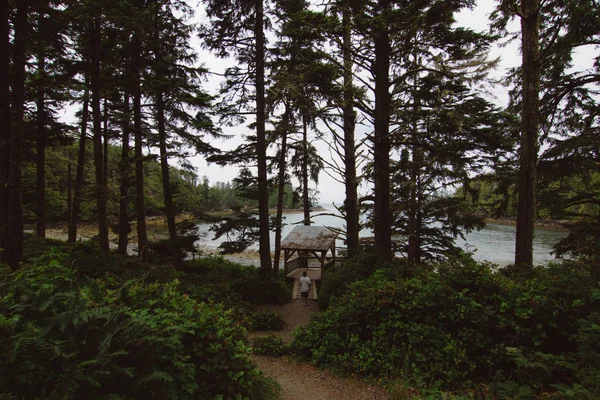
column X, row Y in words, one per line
column 398, row 93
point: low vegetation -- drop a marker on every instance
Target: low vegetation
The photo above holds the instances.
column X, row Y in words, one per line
column 75, row 324
column 462, row 326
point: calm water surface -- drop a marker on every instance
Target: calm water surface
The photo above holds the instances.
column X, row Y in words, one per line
column 494, row 243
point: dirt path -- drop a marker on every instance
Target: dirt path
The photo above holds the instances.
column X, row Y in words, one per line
column 300, row 381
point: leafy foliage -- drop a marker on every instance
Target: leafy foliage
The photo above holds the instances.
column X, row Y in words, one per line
column 65, row 335
column 337, row 281
column 463, row 323
column 269, row 345
column 266, row 320
column 246, row 283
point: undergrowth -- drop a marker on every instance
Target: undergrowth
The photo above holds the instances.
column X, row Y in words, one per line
column 462, row 325
column 76, row 324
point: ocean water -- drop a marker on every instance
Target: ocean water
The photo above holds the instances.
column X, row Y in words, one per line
column 495, row 243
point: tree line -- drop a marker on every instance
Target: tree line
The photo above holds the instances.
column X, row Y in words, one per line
column 191, row 194
column 395, row 87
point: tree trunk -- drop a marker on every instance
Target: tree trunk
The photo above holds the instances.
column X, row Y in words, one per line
column 166, row 181
column 41, row 146
column 529, row 136
column 15, row 219
column 101, row 190
column 381, row 145
column 124, row 227
column 413, row 231
column 281, row 187
column 74, row 215
column 69, row 186
column 105, row 140
column 350, row 182
column 5, row 119
column 261, row 143
column 305, row 192
column 139, row 156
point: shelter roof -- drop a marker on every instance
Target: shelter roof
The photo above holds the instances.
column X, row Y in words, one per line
column 315, row 238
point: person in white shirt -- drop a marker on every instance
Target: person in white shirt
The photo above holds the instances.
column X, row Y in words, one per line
column 304, row 287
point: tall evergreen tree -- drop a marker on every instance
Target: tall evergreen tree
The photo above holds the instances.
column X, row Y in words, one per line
column 237, row 27
column 78, row 190
column 300, row 78
column 17, row 133
column 174, row 86
column 124, row 227
column 350, row 152
column 49, row 80
column 5, row 130
column 382, row 228
column 95, row 37
column 134, row 73
column 551, row 32
column 344, row 144
column 529, row 137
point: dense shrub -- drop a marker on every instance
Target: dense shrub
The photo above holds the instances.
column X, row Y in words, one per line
column 336, row 281
column 265, row 320
column 229, row 282
column 461, row 324
column 62, row 339
column 262, row 288
column 269, row 345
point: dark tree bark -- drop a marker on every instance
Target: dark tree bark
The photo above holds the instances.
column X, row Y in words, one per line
column 74, row 215
column 414, row 237
column 41, row 145
column 414, row 233
column 139, row 156
column 69, row 186
column 305, row 192
column 529, row 136
column 125, row 169
column 381, row 141
column 15, row 220
column 5, row 119
column 261, row 143
column 166, row 181
column 101, row 191
column 349, row 116
column 281, row 187
column 105, row 140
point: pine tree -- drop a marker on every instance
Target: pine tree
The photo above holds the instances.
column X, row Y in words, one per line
column 350, row 152
column 529, row 137
column 5, row 130
column 49, row 81
column 237, row 27
column 300, row 77
column 550, row 34
column 411, row 42
column 17, row 133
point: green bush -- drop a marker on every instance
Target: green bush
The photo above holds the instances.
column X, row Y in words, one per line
column 262, row 288
column 462, row 323
column 269, row 345
column 265, row 320
column 336, row 281
column 249, row 283
column 61, row 339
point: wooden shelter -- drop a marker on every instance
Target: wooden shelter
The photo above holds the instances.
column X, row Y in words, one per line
column 313, row 246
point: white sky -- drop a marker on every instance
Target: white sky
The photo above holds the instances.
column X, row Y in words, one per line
column 331, row 190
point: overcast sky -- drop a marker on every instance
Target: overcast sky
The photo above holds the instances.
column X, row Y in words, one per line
column 331, row 190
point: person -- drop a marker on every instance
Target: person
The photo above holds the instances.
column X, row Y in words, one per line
column 304, row 287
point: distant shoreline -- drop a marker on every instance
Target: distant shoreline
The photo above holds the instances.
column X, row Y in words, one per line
column 550, row 224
